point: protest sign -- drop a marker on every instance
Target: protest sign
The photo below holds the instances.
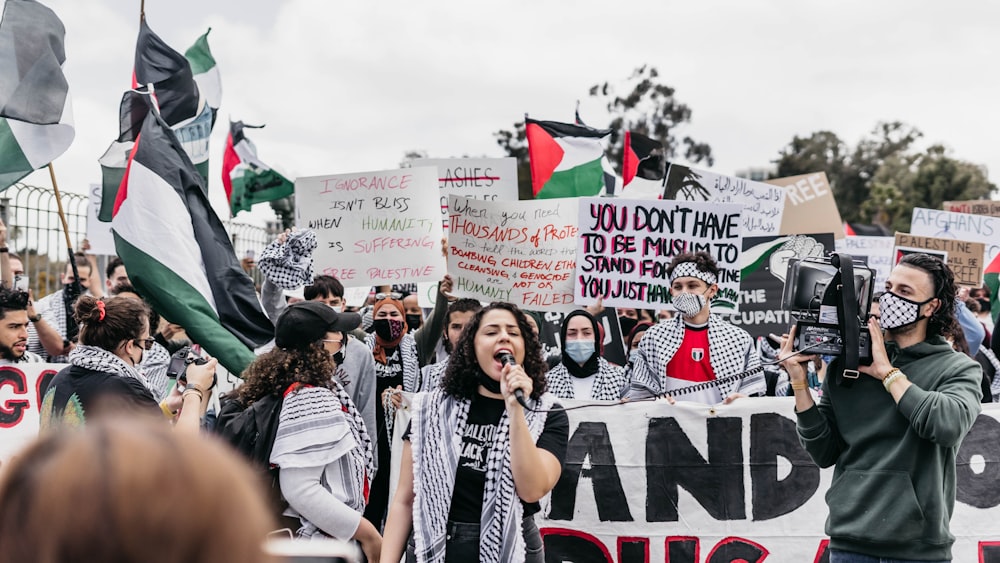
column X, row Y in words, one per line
column 523, row 252
column 21, row 390
column 374, row 228
column 626, row 245
column 959, row 226
column 809, row 205
column 356, row 296
column 964, row 258
column 989, row 207
column 762, row 278
column 486, row 179
column 102, row 242
column 654, row 482
column 877, row 251
column 763, row 204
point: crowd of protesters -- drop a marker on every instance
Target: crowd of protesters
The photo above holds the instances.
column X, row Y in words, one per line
column 475, row 461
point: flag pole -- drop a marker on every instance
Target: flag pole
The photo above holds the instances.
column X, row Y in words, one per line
column 65, row 226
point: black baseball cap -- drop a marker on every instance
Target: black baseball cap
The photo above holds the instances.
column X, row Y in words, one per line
column 306, row 322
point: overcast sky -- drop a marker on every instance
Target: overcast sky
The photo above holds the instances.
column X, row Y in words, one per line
column 351, row 86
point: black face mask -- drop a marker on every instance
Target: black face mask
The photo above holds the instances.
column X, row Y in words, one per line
column 627, row 324
column 338, row 356
column 984, row 305
column 413, row 322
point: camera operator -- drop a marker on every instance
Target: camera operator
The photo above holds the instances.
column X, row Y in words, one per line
column 893, row 433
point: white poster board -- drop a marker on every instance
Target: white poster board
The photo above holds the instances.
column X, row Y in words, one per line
column 959, row 226
column 523, row 252
column 626, row 245
column 763, row 204
column 486, row 179
column 878, row 251
column 374, row 228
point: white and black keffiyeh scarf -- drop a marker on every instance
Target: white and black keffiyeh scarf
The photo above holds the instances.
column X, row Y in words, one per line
column 154, row 365
column 690, row 270
column 312, row 425
column 98, row 359
column 289, row 265
column 611, row 382
column 436, row 432
column 431, row 375
column 407, row 349
column 731, row 352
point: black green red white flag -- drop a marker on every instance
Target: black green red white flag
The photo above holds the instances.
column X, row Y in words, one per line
column 643, row 166
column 246, row 179
column 36, row 116
column 178, row 253
column 565, row 159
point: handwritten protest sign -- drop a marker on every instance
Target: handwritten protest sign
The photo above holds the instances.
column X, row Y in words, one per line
column 809, row 205
column 523, row 252
column 21, row 390
column 964, row 258
column 763, row 203
column 876, row 250
column 374, row 228
column 625, row 247
column 486, row 179
column 959, row 226
column 98, row 234
column 975, row 206
column 762, row 277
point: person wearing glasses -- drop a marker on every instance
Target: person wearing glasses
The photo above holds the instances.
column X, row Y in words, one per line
column 103, row 377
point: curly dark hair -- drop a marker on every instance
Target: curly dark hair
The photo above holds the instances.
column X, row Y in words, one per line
column 701, row 259
column 12, row 300
column 461, row 378
column 943, row 321
column 273, row 372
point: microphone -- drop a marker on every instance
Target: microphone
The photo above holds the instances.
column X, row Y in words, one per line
column 505, row 358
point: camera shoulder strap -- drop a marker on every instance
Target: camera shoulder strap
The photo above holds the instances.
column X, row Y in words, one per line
column 847, row 314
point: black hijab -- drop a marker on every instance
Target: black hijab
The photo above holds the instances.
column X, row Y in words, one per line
column 591, row 366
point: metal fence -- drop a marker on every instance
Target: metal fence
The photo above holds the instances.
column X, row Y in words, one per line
column 34, row 232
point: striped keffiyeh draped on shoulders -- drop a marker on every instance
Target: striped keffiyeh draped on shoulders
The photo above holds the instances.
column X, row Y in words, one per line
column 610, row 385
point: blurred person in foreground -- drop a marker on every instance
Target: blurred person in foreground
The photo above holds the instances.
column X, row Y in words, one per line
column 130, row 490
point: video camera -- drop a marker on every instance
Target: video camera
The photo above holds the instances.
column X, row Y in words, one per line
column 830, row 298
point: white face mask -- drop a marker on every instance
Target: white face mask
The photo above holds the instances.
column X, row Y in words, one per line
column 896, row 311
column 689, row 304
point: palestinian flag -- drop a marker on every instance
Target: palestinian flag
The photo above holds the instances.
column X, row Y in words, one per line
column 180, row 103
column 643, row 166
column 178, row 254
column 206, row 73
column 565, row 159
column 992, row 276
column 36, row 116
column 248, row 180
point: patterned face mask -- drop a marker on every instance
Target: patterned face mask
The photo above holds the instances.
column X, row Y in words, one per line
column 897, row 312
column 688, row 304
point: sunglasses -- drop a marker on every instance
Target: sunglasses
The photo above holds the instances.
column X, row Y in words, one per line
column 394, row 295
column 145, row 343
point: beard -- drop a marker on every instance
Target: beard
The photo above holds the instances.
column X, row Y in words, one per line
column 9, row 355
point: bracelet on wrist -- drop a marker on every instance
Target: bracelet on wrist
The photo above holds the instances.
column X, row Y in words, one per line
column 800, row 385
column 35, row 318
column 192, row 391
column 891, row 377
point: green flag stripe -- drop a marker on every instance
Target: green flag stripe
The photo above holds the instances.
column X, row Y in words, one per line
column 13, row 164
column 584, row 180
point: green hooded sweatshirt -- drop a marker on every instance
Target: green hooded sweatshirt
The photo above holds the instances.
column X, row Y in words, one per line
column 893, row 486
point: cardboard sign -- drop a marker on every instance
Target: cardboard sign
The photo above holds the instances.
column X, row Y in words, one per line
column 102, row 242
column 626, row 245
column 877, row 251
column 989, row 207
column 523, row 252
column 959, row 226
column 374, row 228
column 809, row 205
column 485, row 179
column 964, row 258
column 762, row 279
column 763, row 204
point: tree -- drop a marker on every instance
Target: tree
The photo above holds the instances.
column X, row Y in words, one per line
column 883, row 178
column 650, row 108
